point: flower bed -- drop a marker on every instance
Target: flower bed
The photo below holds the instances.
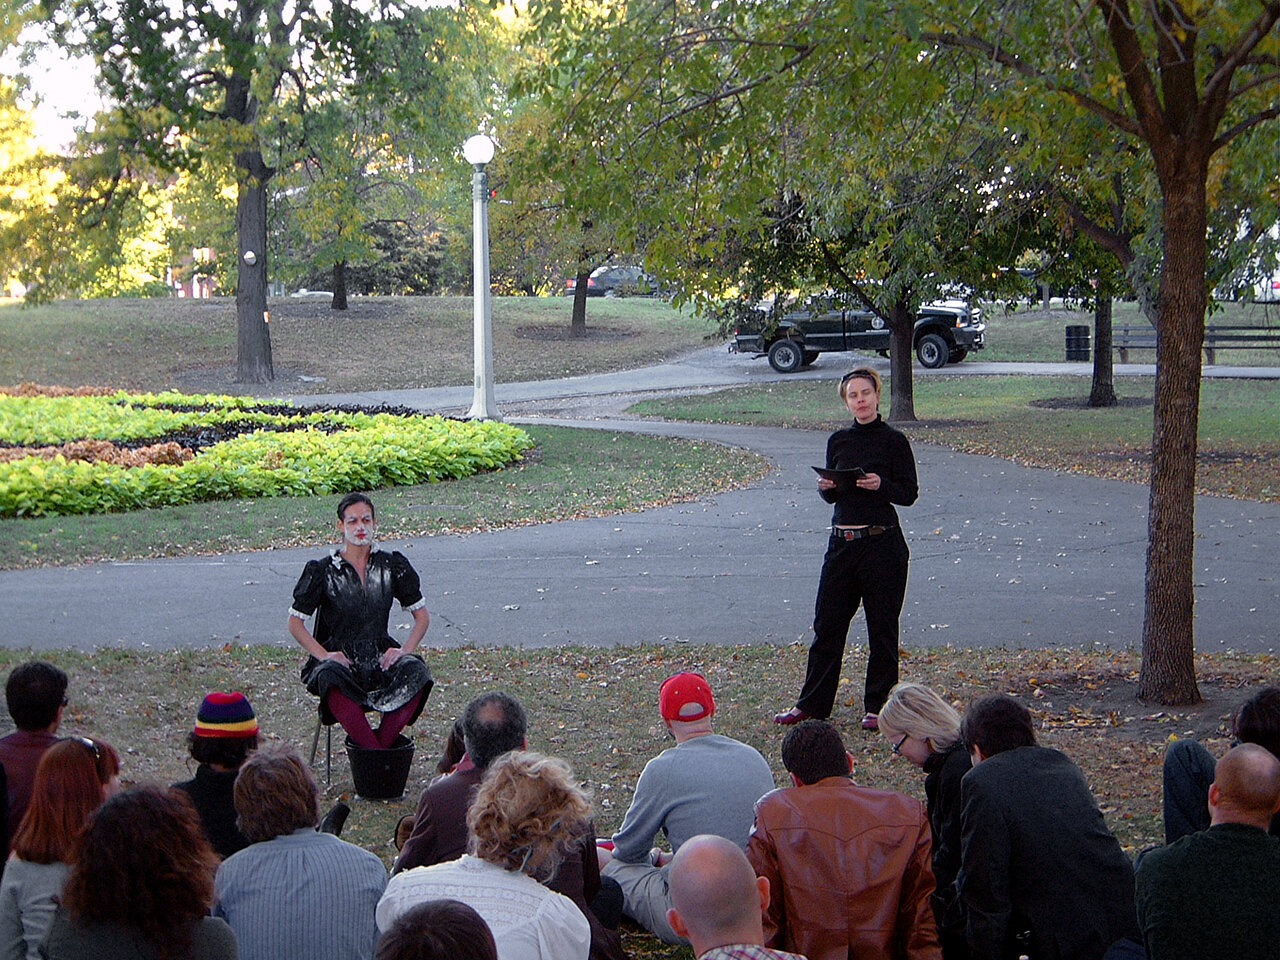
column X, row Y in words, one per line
column 94, row 454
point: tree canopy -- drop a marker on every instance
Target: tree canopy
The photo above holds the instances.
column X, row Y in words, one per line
column 879, row 118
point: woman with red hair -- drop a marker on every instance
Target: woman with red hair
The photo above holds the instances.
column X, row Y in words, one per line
column 141, row 885
column 72, row 779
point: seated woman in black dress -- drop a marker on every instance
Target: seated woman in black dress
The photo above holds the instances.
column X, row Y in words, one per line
column 354, row 665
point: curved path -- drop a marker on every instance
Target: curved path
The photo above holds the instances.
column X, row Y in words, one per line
column 1002, row 554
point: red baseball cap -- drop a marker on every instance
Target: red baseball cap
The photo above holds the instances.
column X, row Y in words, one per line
column 685, row 697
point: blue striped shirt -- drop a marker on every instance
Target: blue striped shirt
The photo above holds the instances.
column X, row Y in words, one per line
column 302, row 896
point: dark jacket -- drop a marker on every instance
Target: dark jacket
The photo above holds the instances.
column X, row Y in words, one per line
column 848, row 871
column 944, row 772
column 1037, row 856
column 212, row 792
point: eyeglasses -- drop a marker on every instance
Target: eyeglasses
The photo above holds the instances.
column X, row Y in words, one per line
column 860, row 372
column 90, row 745
column 897, row 747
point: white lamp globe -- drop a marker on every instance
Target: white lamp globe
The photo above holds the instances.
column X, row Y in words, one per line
column 478, row 150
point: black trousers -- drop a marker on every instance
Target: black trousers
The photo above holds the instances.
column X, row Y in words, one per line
column 871, row 572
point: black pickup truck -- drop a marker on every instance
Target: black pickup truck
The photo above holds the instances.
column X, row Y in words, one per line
column 945, row 332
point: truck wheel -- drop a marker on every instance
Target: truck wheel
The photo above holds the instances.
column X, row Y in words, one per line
column 786, row 356
column 932, row 351
column 810, row 356
column 957, row 354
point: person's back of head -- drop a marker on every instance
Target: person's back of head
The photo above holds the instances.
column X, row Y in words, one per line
column 35, row 692
column 528, row 813
column 143, row 862
column 997, row 723
column 1246, row 786
column 716, row 898
column 812, row 750
column 225, row 732
column 71, row 781
column 1258, row 720
column 438, row 930
column 493, row 724
column 686, row 704
column 917, row 711
column 275, row 794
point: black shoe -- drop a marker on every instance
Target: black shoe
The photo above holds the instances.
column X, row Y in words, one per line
column 333, row 821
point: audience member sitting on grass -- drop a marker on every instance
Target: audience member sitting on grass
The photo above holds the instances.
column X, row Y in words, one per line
column 926, row 730
column 1215, row 894
column 295, row 893
column 438, row 930
column 848, row 866
column 226, row 731
column 36, row 693
column 494, row 724
column 1040, row 872
column 141, row 885
column 527, row 815
column 706, row 783
column 717, row 902
column 72, row 779
column 1189, row 769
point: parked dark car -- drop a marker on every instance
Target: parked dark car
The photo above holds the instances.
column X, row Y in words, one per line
column 612, row 281
column 946, row 332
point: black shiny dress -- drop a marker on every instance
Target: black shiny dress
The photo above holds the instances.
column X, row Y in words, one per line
column 352, row 616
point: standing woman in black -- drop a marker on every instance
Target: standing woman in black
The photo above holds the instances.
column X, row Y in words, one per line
column 866, row 561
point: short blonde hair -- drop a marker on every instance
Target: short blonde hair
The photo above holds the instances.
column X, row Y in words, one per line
column 527, row 813
column 860, row 373
column 914, row 709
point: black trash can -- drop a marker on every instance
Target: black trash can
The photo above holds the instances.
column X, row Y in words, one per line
column 1078, row 343
column 381, row 774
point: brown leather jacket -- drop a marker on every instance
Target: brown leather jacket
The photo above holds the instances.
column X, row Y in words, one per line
column 848, row 869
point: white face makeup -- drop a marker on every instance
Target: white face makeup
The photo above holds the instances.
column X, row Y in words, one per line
column 357, row 525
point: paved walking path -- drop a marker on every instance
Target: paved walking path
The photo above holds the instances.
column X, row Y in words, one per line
column 1001, row 554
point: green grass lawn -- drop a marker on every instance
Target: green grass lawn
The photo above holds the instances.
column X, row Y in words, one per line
column 1038, row 421
column 379, row 343
column 1031, row 333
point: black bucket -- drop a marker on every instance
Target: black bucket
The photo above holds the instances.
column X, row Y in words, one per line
column 1078, row 343
column 381, row 774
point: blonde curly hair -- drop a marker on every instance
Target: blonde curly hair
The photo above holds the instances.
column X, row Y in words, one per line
column 528, row 813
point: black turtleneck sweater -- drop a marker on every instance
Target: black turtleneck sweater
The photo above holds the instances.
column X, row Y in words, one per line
column 877, row 448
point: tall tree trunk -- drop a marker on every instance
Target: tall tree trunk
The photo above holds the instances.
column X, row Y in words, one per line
column 578, row 318
column 339, row 301
column 1168, row 639
column 1103, row 391
column 253, row 338
column 902, row 326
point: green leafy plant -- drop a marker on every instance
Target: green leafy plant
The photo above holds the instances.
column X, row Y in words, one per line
column 269, row 450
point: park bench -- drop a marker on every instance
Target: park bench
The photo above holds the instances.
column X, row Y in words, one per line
column 1216, row 337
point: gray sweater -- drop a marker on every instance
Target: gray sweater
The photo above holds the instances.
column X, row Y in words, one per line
column 708, row 784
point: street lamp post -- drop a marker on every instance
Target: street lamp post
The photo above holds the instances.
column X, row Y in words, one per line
column 478, row 151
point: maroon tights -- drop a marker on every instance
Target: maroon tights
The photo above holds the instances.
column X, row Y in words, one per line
column 351, row 715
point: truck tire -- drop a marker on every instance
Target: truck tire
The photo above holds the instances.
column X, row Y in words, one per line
column 786, row 356
column 932, row 351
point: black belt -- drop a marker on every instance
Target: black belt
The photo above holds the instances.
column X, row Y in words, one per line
column 857, row 533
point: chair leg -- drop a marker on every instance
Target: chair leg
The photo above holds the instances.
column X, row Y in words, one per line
column 328, row 757
column 315, row 742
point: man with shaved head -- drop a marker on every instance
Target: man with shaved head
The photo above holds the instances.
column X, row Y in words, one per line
column 717, row 901
column 1216, row 893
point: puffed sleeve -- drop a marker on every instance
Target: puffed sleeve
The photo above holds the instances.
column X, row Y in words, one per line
column 308, row 594
column 404, row 582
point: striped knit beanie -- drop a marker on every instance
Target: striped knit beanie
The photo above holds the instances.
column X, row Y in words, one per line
column 225, row 715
